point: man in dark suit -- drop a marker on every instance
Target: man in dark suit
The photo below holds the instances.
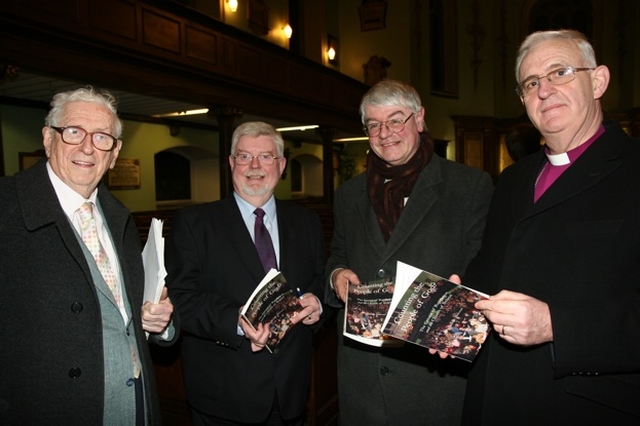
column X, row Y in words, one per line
column 411, row 206
column 72, row 326
column 560, row 256
column 213, row 267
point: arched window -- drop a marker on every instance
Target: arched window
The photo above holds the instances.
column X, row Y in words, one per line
column 296, row 175
column 173, row 176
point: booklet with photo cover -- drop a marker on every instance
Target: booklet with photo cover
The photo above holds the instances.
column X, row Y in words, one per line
column 431, row 311
column 273, row 302
column 365, row 310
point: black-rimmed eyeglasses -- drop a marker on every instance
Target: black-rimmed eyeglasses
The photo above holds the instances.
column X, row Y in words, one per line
column 74, row 135
column 556, row 77
column 395, row 125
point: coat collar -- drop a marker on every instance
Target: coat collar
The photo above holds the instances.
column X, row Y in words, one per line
column 40, row 208
column 598, row 161
column 423, row 196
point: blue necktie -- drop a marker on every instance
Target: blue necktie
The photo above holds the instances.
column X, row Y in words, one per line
column 263, row 242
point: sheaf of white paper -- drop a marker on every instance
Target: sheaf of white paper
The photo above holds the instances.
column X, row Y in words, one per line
column 153, row 261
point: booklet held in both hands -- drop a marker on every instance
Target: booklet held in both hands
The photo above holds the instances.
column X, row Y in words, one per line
column 273, row 302
column 431, row 311
column 416, row 307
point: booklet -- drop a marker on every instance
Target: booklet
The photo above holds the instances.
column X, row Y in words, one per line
column 431, row 311
column 273, row 302
column 365, row 311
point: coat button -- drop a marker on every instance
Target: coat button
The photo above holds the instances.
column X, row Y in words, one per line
column 76, row 308
column 384, row 371
column 382, row 273
column 130, row 382
column 74, row 373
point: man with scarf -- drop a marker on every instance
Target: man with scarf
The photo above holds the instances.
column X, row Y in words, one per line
column 411, row 206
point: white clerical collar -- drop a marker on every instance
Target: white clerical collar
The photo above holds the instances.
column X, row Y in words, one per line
column 559, row 159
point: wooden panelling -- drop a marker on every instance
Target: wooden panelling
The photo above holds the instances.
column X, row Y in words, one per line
column 114, row 17
column 229, row 61
column 275, row 73
column 477, row 143
column 249, row 62
column 160, row 31
column 62, row 12
column 201, row 45
column 308, row 83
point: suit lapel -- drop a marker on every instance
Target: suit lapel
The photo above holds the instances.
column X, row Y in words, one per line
column 238, row 235
column 288, row 232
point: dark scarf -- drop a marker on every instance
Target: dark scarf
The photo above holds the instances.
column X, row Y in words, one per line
column 387, row 198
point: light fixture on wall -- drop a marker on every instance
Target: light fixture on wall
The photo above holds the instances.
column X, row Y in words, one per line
column 233, row 5
column 332, row 49
column 288, row 31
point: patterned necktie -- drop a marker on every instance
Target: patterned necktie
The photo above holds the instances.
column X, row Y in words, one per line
column 263, row 242
column 89, row 233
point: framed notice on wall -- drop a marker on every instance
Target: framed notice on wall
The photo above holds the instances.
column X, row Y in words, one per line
column 28, row 159
column 125, row 174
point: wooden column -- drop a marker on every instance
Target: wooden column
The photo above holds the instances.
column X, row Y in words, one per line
column 327, row 133
column 225, row 115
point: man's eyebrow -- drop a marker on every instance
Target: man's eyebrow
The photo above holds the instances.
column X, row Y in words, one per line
column 389, row 117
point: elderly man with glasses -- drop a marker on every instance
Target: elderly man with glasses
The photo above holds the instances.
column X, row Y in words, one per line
column 73, row 321
column 411, row 206
column 560, row 256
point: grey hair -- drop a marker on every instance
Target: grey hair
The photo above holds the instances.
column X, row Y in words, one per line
column 255, row 129
column 580, row 40
column 391, row 93
column 85, row 94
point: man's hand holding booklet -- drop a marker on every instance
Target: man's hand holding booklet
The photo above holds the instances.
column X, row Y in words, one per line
column 420, row 308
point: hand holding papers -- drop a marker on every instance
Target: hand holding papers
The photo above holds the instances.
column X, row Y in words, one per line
column 418, row 307
column 272, row 302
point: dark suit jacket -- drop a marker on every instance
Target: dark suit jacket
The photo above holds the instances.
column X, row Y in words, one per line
column 440, row 230
column 577, row 249
column 213, row 267
column 51, row 358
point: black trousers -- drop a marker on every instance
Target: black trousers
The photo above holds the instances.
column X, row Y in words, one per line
column 274, row 419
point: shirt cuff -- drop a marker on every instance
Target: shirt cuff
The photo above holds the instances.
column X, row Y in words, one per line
column 331, row 277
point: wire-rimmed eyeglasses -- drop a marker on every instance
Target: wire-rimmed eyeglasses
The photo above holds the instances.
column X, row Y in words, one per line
column 74, row 135
column 264, row 159
column 395, row 125
column 556, row 77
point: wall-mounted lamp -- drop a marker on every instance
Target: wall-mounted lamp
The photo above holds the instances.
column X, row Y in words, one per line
column 288, row 31
column 233, row 5
column 332, row 49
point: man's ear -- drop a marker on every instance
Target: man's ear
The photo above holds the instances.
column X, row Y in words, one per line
column 47, row 139
column 600, row 80
column 115, row 153
column 422, row 126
